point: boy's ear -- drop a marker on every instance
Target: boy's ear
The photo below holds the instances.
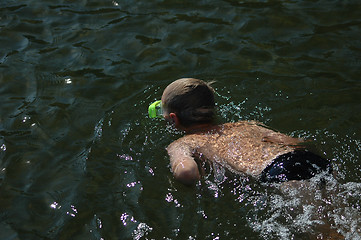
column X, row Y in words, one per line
column 174, row 118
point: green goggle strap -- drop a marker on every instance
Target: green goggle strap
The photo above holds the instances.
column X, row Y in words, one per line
column 155, row 109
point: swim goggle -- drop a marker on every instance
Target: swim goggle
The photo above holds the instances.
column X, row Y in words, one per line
column 155, row 109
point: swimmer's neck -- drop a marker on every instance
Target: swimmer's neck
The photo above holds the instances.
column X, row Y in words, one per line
column 200, row 128
column 193, row 129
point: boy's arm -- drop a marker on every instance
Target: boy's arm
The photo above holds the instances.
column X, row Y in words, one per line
column 279, row 138
column 184, row 167
column 273, row 136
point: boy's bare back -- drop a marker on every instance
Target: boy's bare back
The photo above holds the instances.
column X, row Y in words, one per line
column 243, row 147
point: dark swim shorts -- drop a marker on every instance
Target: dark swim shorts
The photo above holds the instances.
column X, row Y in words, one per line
column 297, row 165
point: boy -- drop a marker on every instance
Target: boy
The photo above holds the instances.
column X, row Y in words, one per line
column 243, row 147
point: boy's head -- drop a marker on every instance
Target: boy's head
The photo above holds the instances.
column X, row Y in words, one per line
column 192, row 100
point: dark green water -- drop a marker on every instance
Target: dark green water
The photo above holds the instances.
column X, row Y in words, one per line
column 80, row 159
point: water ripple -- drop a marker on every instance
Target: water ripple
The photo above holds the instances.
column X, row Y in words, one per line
column 79, row 158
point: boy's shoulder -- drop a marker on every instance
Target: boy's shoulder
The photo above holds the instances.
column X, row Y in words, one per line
column 198, row 139
column 190, row 141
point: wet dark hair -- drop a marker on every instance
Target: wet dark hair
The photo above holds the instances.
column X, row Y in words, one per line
column 191, row 99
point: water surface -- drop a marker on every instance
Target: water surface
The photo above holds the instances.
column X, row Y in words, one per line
column 80, row 159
